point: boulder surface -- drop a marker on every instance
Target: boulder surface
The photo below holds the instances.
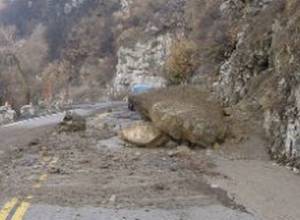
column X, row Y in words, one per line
column 144, row 134
column 184, row 113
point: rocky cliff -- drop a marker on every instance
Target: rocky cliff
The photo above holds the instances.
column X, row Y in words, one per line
column 262, row 71
column 247, row 55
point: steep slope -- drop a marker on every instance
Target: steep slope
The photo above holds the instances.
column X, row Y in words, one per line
column 262, row 71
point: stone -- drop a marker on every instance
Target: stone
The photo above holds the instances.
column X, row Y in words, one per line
column 72, row 122
column 144, row 134
column 185, row 114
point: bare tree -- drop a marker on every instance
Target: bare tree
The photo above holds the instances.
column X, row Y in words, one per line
column 8, row 52
column 23, row 59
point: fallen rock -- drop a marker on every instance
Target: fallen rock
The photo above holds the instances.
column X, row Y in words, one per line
column 184, row 113
column 144, row 134
column 72, row 122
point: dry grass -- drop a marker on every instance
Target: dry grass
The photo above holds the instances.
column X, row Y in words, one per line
column 181, row 62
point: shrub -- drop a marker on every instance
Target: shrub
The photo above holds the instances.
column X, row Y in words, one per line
column 181, row 63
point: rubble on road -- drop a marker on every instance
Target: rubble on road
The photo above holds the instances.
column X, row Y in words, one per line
column 180, row 151
column 72, row 122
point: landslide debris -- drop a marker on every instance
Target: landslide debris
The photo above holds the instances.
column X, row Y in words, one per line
column 184, row 113
column 72, row 122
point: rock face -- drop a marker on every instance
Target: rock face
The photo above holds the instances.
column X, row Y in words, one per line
column 249, row 59
column 263, row 71
column 144, row 134
column 184, row 113
column 142, row 63
column 7, row 115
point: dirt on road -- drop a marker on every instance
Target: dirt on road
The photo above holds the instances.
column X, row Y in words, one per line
column 95, row 168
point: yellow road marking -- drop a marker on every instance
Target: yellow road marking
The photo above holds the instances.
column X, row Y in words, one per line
column 7, row 208
column 21, row 211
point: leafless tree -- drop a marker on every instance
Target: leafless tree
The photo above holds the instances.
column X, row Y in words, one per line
column 23, row 59
column 8, row 52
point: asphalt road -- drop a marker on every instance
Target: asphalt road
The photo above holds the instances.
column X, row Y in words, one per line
column 214, row 212
column 24, row 208
column 83, row 110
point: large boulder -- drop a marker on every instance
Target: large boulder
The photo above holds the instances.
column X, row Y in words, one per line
column 184, row 113
column 7, row 115
column 144, row 134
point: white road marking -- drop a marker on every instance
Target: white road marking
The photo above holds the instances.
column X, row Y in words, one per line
column 58, row 117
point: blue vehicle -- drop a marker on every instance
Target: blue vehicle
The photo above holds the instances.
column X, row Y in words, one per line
column 140, row 88
column 136, row 90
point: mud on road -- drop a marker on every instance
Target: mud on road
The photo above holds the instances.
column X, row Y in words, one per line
column 95, row 168
column 73, row 175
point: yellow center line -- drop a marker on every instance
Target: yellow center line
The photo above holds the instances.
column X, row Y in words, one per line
column 21, row 211
column 4, row 213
